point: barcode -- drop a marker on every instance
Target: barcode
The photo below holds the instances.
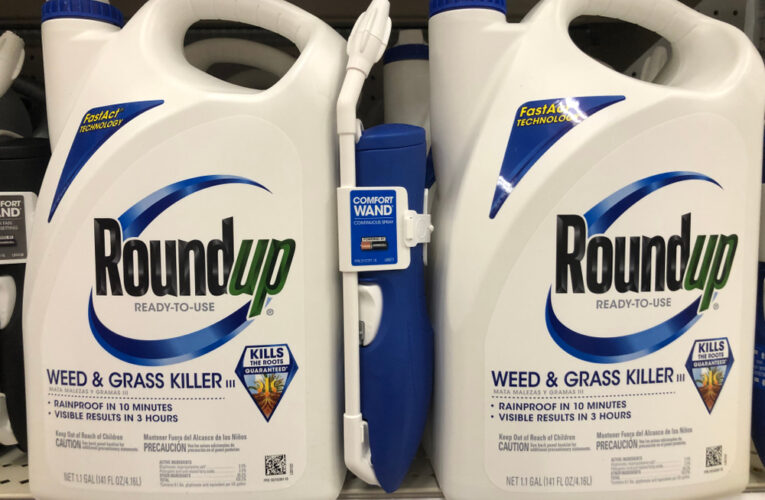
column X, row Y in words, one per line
column 276, row 465
column 714, row 456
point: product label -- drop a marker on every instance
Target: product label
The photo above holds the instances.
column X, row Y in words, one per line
column 611, row 356
column 176, row 356
column 374, row 237
column 16, row 211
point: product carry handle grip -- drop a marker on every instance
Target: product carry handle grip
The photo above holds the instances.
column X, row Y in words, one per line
column 175, row 17
column 669, row 18
column 161, row 28
column 204, row 53
column 707, row 54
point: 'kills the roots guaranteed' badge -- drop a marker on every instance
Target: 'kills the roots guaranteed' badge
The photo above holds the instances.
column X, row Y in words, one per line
column 709, row 364
column 266, row 372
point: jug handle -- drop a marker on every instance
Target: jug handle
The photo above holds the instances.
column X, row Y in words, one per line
column 669, row 18
column 172, row 18
column 204, row 53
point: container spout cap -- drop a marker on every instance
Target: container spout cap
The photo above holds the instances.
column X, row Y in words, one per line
column 82, row 9
column 438, row 6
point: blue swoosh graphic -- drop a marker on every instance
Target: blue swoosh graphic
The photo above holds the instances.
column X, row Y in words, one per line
column 624, row 348
column 167, row 351
column 87, row 143
column 143, row 213
column 527, row 144
column 600, row 217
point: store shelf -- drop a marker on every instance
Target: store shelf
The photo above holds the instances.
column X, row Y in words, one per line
column 14, row 474
column 756, row 482
column 419, row 484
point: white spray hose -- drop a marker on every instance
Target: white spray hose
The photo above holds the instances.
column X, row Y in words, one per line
column 366, row 46
column 11, row 59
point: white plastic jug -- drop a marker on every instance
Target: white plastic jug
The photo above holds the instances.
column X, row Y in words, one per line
column 594, row 279
column 182, row 330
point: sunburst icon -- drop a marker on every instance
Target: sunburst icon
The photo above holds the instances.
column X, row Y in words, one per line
column 267, row 391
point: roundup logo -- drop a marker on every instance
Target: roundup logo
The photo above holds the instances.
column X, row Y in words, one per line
column 126, row 264
column 595, row 263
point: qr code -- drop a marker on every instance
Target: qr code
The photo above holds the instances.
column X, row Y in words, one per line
column 714, row 456
column 276, row 465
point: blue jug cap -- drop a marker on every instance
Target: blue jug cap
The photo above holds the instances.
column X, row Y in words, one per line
column 437, row 6
column 407, row 52
column 391, row 136
column 82, row 9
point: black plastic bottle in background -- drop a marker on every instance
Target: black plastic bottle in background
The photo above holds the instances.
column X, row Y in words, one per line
column 22, row 167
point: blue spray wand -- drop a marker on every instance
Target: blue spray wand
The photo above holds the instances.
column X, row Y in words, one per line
column 388, row 339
